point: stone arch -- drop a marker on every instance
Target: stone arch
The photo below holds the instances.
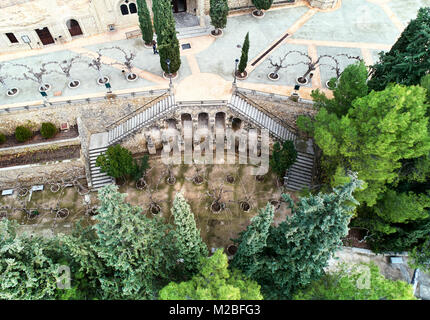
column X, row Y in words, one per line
column 236, row 123
column 186, row 117
column 170, row 123
column 127, row 7
column 74, row 27
column 203, row 120
column 220, row 120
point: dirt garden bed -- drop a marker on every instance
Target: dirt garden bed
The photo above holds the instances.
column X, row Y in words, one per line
column 54, row 154
column 37, row 138
column 354, row 237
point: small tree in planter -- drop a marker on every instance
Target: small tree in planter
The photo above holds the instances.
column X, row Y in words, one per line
column 241, row 73
column 282, row 158
column 218, row 13
column 278, row 66
column 311, row 64
column 128, row 62
column 66, row 66
column 48, row 130
column 96, row 64
column 261, row 5
column 10, row 91
column 23, row 134
column 145, row 22
column 37, row 76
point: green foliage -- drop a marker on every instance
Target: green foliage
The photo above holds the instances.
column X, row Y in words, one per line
column 351, row 85
column 140, row 167
column 282, row 158
column 379, row 131
column 168, row 44
column 420, row 256
column 290, row 256
column 2, row 138
column 218, row 12
column 190, row 245
column 23, row 134
column 145, row 22
column 117, row 162
column 425, row 83
column 409, row 58
column 48, row 130
column 244, row 57
column 213, row 282
column 356, row 282
column 262, row 4
column 305, row 124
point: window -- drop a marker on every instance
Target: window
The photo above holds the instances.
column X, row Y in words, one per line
column 11, row 38
column 128, row 8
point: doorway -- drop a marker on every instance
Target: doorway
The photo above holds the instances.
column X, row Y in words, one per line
column 179, row 6
column 45, row 36
column 74, row 27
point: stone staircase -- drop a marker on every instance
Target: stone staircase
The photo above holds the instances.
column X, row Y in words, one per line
column 98, row 146
column 300, row 174
column 193, row 32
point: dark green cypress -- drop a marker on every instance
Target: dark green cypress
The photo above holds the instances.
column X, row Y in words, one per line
column 145, row 22
column 244, row 57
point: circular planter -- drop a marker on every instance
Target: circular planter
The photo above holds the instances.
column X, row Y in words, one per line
column 171, row 180
column 198, row 180
column 120, row 181
column 230, row 178
column 301, row 83
column 12, row 92
column 241, row 76
column 215, row 35
column 217, row 207
column 22, row 192
column 3, row 214
column 155, row 209
column 260, row 178
column 63, row 213
column 93, row 211
column 131, row 77
column 45, row 88
column 174, row 75
column 102, row 81
column 147, row 46
column 275, row 203
column 74, row 84
column 33, row 213
column 232, row 249
column 272, row 77
column 141, row 184
column 245, row 206
column 327, row 85
column 55, row 187
column 258, row 14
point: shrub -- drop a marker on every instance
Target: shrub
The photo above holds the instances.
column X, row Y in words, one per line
column 2, row 138
column 48, row 130
column 23, row 133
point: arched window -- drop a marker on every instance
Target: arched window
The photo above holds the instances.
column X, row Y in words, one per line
column 128, row 7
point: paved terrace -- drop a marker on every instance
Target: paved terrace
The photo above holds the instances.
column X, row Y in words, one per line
column 354, row 27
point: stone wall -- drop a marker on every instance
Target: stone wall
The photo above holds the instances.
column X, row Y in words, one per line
column 323, row 4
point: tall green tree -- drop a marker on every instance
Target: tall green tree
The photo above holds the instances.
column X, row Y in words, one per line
column 297, row 251
column 213, row 282
column 282, row 158
column 145, row 22
column 244, row 57
column 117, row 162
column 409, row 58
column 356, row 282
column 420, row 256
column 168, row 44
column 191, row 247
column 218, row 12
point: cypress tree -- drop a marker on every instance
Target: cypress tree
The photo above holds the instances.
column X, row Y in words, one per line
column 244, row 57
column 145, row 23
column 168, row 44
column 262, row 5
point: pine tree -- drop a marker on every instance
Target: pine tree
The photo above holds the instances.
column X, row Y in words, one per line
column 145, row 23
column 244, row 57
column 218, row 12
column 168, row 44
column 297, row 251
column 191, row 247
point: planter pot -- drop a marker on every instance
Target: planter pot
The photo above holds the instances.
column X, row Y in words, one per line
column 74, row 84
column 155, row 209
column 102, row 81
column 12, row 92
column 131, row 77
column 55, row 187
column 302, row 83
column 271, row 75
column 22, row 192
column 215, row 35
column 33, row 213
column 93, row 211
column 174, row 75
column 63, row 213
column 141, row 184
column 241, row 76
column 120, row 181
column 327, row 85
column 255, row 14
column 260, row 178
column 198, row 180
column 171, row 180
column 3, row 214
column 232, row 249
column 217, row 207
column 147, row 46
column 45, row 88
column 275, row 203
column 230, row 179
column 245, row 206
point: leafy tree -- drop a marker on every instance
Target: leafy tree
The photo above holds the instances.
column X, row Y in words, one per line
column 168, row 44
column 262, row 5
column 356, row 282
column 145, row 22
column 409, row 58
column 283, row 158
column 297, row 251
column 191, row 247
column 420, row 256
column 218, row 12
column 213, row 282
column 425, row 83
column 351, row 85
column 48, row 130
column 244, row 57
column 379, row 131
column 117, row 162
column 140, row 167
column 23, row 134
column 140, row 251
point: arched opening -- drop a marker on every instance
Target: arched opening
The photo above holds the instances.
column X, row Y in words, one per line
column 203, row 120
column 124, row 9
column 74, row 27
column 220, row 120
column 236, row 124
column 128, row 7
column 132, row 7
column 171, row 123
column 186, row 117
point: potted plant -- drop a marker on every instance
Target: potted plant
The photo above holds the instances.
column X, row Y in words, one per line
column 261, row 5
column 218, row 13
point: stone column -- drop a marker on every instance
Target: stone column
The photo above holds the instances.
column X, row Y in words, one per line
column 201, row 6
